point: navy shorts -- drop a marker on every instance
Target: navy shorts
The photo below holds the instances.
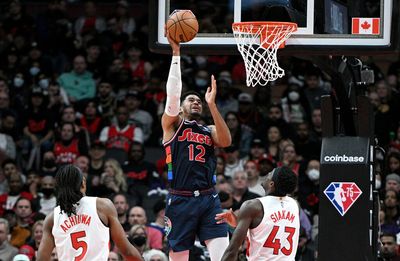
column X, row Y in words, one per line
column 188, row 217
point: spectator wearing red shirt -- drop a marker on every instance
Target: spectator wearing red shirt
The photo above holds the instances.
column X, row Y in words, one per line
column 68, row 147
column 137, row 66
column 90, row 22
column 8, row 200
column 121, row 135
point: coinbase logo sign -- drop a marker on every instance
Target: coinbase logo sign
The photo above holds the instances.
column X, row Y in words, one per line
column 344, row 159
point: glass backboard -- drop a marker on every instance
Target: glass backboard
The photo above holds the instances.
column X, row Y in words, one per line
column 324, row 26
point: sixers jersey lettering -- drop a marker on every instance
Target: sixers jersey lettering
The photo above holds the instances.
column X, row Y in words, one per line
column 276, row 237
column 190, row 157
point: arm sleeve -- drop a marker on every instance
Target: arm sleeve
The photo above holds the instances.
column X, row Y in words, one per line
column 174, row 87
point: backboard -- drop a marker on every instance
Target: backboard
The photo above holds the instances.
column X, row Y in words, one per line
column 351, row 27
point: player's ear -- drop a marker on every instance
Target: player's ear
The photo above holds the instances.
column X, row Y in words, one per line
column 272, row 185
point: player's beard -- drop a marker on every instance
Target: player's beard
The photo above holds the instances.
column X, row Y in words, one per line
column 195, row 115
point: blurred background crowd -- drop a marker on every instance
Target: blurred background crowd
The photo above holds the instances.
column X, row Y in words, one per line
column 79, row 85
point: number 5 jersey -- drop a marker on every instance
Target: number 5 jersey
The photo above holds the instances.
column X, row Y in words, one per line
column 82, row 236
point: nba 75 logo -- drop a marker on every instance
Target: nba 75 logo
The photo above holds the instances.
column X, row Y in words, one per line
column 342, row 195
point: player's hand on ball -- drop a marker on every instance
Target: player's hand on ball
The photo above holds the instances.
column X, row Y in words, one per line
column 174, row 45
column 226, row 217
column 211, row 91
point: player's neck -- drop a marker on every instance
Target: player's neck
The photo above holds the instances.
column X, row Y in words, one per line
column 190, row 117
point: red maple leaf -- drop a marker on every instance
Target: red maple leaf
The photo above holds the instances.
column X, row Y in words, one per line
column 365, row 25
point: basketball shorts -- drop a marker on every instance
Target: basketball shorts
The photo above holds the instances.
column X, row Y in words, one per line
column 188, row 217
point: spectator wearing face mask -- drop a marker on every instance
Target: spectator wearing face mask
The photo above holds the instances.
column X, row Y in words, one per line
column 201, row 81
column 292, row 104
column 309, row 187
column 46, row 202
column 153, row 236
column 138, row 238
column 39, row 64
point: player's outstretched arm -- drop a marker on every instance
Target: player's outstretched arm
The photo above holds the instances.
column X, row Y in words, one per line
column 227, row 217
column 47, row 244
column 219, row 131
column 248, row 211
column 129, row 252
column 170, row 118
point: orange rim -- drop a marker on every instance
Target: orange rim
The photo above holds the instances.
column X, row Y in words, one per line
column 255, row 27
column 259, row 24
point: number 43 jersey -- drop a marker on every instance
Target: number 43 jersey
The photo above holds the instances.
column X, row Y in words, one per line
column 190, row 157
column 82, row 236
column 276, row 237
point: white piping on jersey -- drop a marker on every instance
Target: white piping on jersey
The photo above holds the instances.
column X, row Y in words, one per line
column 194, row 121
column 176, row 133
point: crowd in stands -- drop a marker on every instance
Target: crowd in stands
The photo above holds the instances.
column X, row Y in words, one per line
column 78, row 87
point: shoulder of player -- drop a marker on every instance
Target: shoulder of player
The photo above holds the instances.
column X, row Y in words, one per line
column 250, row 208
column 170, row 125
column 104, row 205
column 168, row 122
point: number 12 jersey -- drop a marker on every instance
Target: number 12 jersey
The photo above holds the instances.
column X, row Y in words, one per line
column 190, row 157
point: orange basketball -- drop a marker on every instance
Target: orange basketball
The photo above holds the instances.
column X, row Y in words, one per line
column 182, row 26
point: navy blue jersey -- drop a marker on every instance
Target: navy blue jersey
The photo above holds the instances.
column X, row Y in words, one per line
column 190, row 157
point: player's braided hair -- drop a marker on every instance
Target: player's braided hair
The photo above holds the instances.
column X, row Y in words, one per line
column 285, row 181
column 68, row 188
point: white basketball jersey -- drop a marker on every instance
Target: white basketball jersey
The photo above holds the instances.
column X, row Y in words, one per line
column 82, row 236
column 276, row 237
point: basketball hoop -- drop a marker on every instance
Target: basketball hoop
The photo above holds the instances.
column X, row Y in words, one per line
column 258, row 43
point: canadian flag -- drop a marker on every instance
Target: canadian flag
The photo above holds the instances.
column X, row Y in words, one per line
column 365, row 25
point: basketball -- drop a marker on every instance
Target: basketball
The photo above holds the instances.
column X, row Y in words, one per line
column 182, row 26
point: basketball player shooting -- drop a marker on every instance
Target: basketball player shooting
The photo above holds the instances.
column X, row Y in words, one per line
column 80, row 226
column 272, row 223
column 192, row 202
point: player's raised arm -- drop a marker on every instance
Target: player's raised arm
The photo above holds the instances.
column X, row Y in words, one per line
column 220, row 131
column 47, row 243
column 248, row 211
column 129, row 252
column 170, row 117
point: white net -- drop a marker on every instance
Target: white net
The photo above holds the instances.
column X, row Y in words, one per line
column 258, row 44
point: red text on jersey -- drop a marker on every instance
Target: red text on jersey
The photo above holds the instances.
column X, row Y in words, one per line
column 191, row 136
